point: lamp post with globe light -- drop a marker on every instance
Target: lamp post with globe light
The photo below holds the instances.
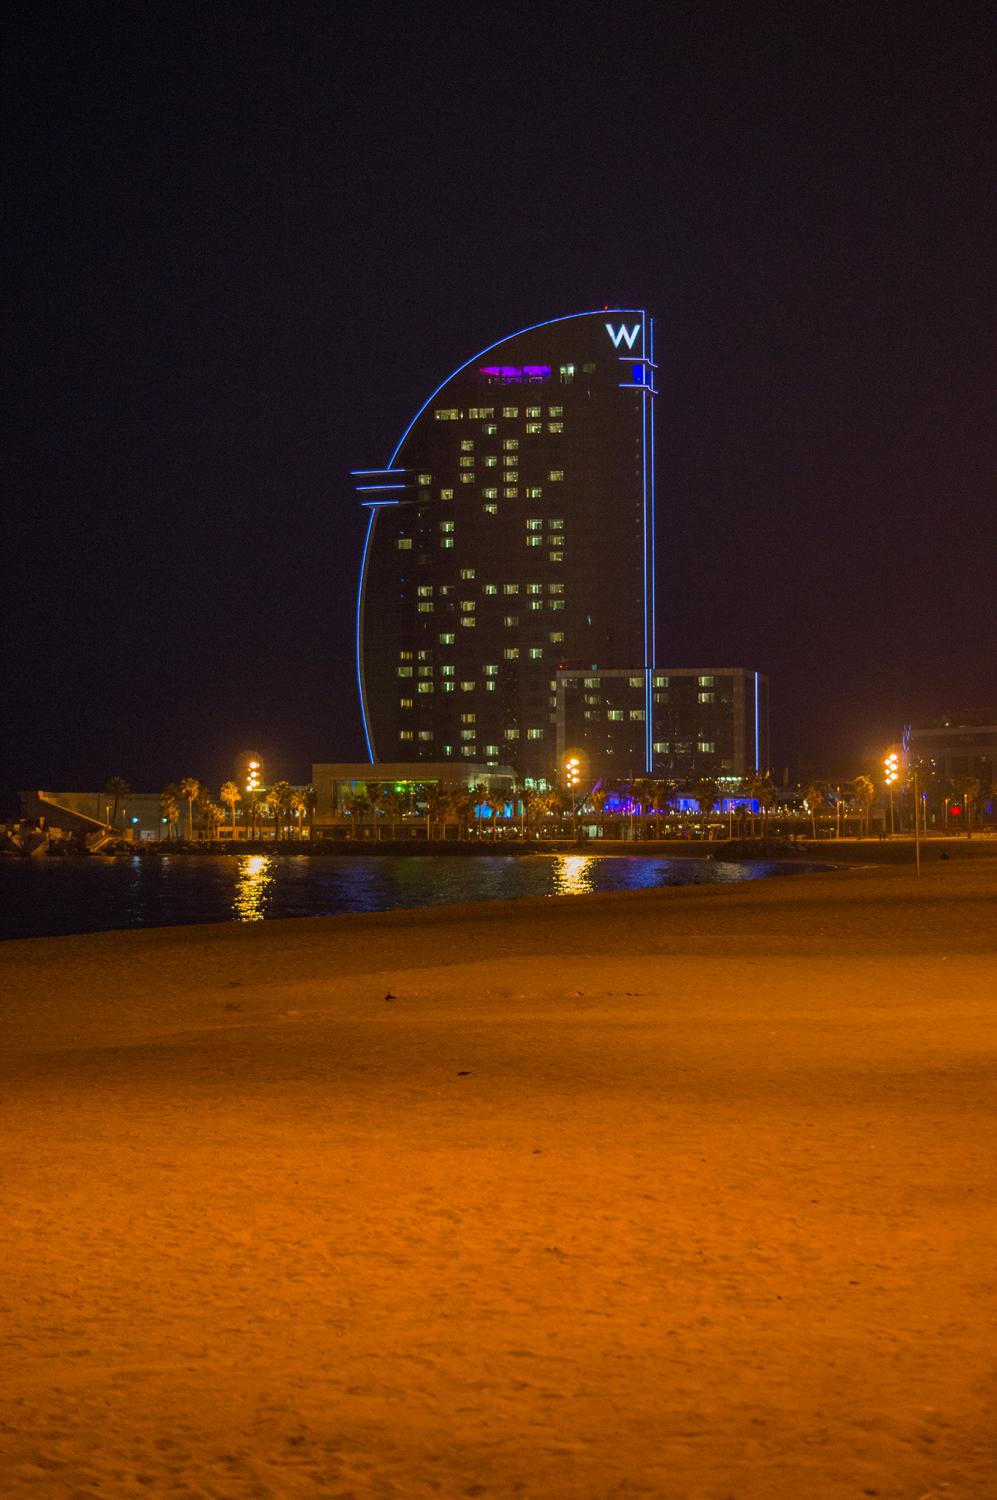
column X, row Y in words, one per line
column 572, row 780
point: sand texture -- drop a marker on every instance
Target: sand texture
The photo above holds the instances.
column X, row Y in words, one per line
column 686, row 1194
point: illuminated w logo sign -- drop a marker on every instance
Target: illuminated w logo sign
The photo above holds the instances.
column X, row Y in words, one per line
column 623, row 335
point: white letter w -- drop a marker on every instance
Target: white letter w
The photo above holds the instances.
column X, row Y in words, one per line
column 623, row 335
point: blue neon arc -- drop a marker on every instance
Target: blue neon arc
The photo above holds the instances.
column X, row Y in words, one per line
column 648, row 479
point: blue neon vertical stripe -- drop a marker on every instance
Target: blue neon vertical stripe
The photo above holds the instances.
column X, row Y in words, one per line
column 758, row 756
column 360, row 603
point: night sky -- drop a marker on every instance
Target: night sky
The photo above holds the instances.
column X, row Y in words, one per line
column 244, row 242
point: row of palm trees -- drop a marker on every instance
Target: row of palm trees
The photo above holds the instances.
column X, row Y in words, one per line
column 279, row 812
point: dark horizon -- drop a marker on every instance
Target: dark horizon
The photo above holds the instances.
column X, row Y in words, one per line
column 244, row 246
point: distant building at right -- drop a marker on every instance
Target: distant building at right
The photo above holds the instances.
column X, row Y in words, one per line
column 955, row 747
column 705, row 721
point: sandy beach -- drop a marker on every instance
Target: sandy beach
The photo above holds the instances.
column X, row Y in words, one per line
column 687, row 1193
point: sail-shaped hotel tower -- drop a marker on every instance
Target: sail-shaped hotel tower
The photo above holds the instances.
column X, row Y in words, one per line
column 510, row 536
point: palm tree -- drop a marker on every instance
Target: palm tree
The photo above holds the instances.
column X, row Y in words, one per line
column 252, row 811
column 230, row 795
column 169, row 801
column 763, row 792
column 279, row 798
column 118, row 788
column 815, row 797
column 706, row 792
column 190, row 789
column 356, row 804
column 864, row 794
column 213, row 816
column 642, row 791
column 299, row 804
column 440, row 800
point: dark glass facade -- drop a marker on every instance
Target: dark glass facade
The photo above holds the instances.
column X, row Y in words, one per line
column 510, row 535
column 704, row 721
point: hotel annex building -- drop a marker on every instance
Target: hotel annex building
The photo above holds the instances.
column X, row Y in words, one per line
column 510, row 540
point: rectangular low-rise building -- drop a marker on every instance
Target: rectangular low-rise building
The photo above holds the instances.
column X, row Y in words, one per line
column 681, row 722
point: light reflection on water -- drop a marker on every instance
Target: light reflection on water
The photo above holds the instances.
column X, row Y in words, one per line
column 254, row 880
column 572, row 874
column 40, row 897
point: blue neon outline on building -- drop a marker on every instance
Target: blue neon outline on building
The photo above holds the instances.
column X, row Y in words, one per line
column 648, row 504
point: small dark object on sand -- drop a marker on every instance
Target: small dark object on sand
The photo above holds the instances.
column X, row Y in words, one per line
column 390, row 996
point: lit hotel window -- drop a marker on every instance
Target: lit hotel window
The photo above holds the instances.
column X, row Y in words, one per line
column 637, row 714
column 566, row 374
column 510, row 460
column 489, row 686
column 447, row 670
column 556, row 474
column 404, row 671
column 446, row 526
column 706, row 747
column 556, row 603
column 447, row 414
column 555, row 557
column 405, row 734
column 405, row 703
column 555, row 588
column 534, row 523
column 425, row 734
column 510, row 444
column 491, row 461
column 447, row 638
column 556, row 636
column 467, row 687
column 707, row 697
column 446, row 494
column 706, row 682
column 468, row 734
column 476, row 412
column 556, row 525
column 510, row 621
column 510, row 411
column 511, row 653
column 490, row 670
column 466, row 446
column 534, row 492
column 468, row 718
column 489, row 588
column 467, row 572
column 510, row 588
column 467, row 605
column 510, row 492
column 467, row 750
column 534, row 411
column 424, row 479
column 425, row 590
column 491, row 750
column 446, row 541
column 426, row 671
column 446, row 687
column 466, row 478
column 466, row 461
column 555, row 426
column 490, row 494
column 535, row 604
column 591, row 682
column 534, row 734
column 511, row 734
column 555, row 411
column 424, row 687
column 425, row 607
column 536, row 653
column 635, row 681
column 614, row 713
column 534, row 426
column 404, row 544
column 490, row 510
column 467, row 621
column 489, row 428
column 534, row 541
column 534, row 588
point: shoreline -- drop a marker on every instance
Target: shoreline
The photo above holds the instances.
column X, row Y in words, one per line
column 679, row 1191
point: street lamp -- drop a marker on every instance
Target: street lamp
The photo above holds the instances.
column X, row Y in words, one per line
column 891, row 774
column 572, row 780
